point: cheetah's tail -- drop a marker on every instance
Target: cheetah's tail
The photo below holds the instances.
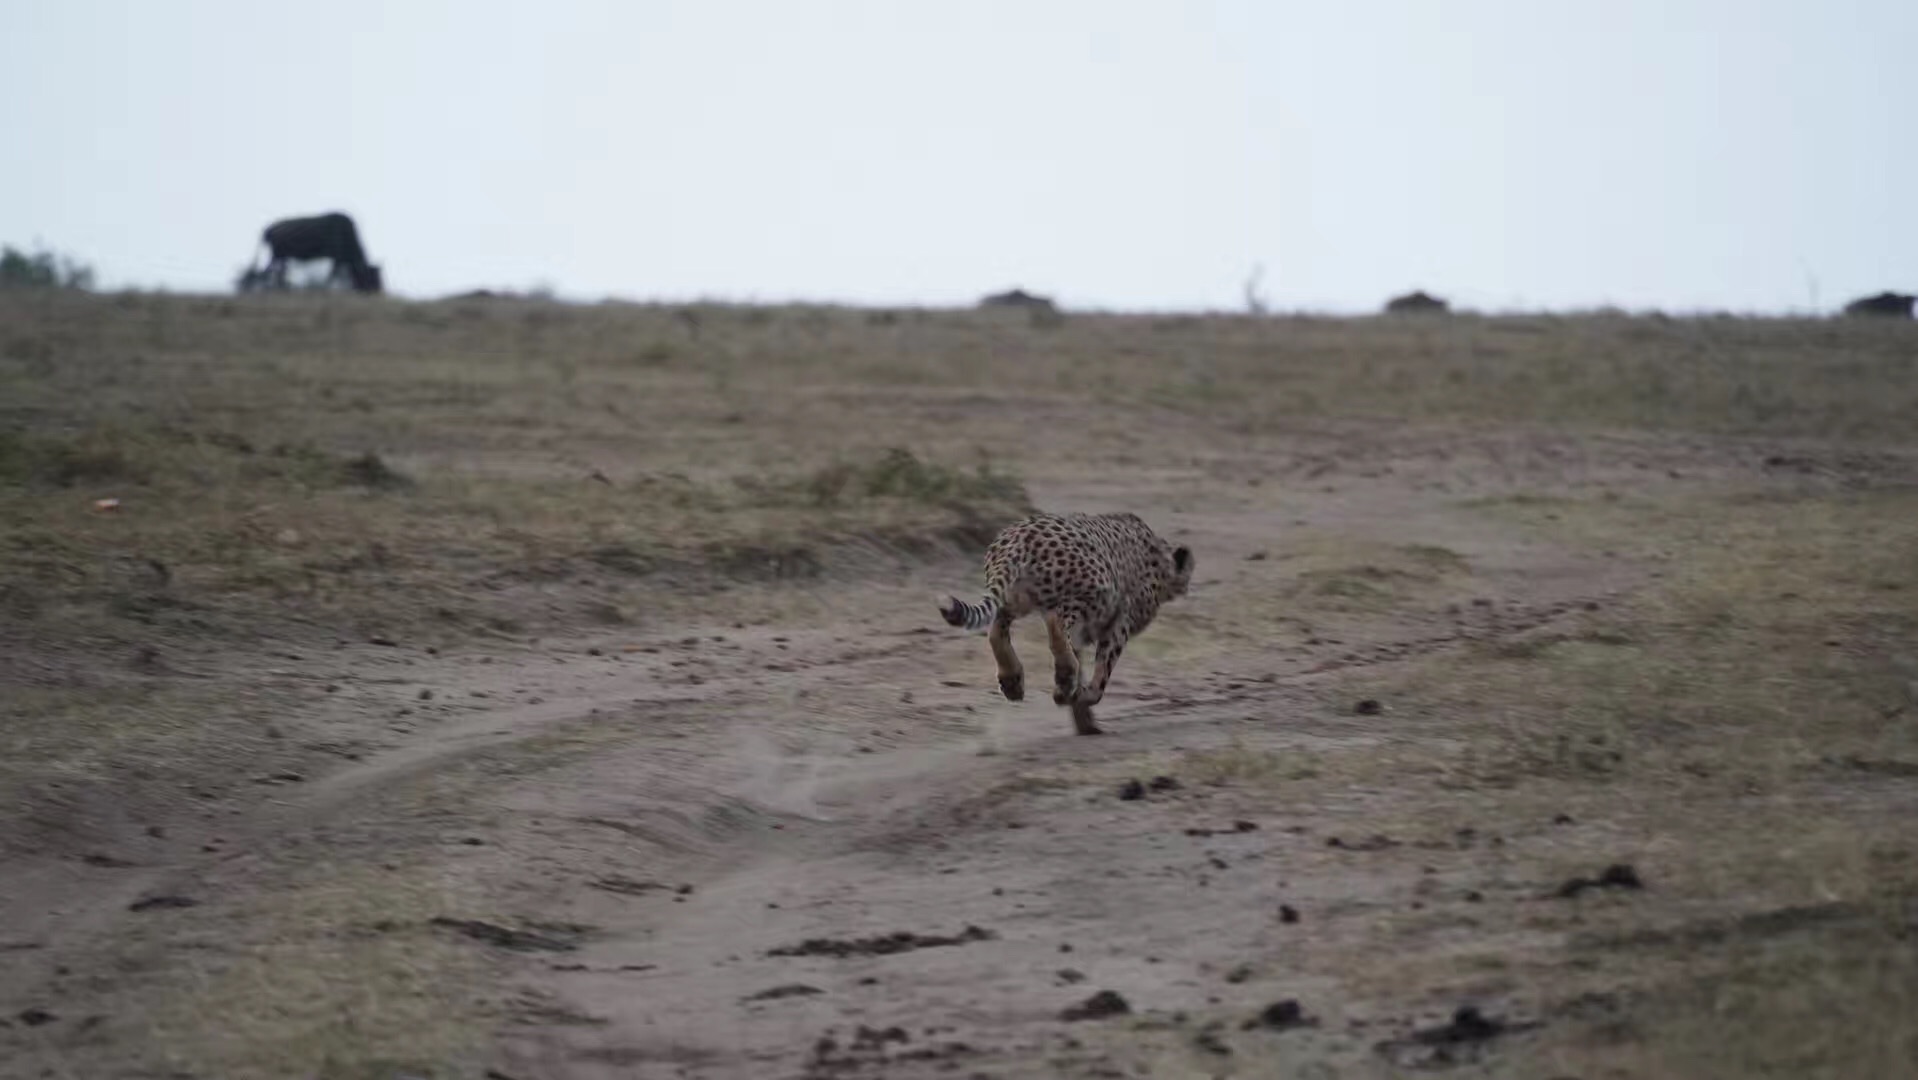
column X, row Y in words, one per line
column 971, row 618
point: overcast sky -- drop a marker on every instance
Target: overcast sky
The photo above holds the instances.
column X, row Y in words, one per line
column 1679, row 154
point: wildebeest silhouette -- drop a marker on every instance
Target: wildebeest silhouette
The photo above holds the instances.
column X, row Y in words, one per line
column 1415, row 302
column 324, row 236
column 1898, row 305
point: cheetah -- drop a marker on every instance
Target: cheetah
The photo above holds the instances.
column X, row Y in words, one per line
column 1098, row 579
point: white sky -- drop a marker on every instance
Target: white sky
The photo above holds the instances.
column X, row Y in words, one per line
column 1680, row 154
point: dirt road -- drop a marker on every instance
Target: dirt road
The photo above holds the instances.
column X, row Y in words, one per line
column 828, row 848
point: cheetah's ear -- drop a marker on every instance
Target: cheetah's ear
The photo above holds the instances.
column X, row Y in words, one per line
column 1182, row 558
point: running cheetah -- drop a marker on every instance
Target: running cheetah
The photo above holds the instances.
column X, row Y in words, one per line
column 1098, row 578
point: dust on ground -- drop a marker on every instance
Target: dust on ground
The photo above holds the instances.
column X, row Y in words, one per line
column 513, row 690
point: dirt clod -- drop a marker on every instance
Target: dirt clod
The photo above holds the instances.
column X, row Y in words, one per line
column 1455, row 1042
column 1281, row 1015
column 1467, row 1025
column 1375, row 842
column 1131, row 791
column 867, row 1038
column 1209, row 1041
column 1615, row 876
column 163, row 900
column 788, row 990
column 1288, row 914
column 1099, row 1006
column 883, row 945
column 1368, row 707
column 1164, row 783
column 627, row 886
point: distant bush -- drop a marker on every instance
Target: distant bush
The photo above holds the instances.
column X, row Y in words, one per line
column 898, row 474
column 42, row 270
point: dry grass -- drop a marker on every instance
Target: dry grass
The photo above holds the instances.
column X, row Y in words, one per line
column 1742, row 731
column 340, row 977
column 295, row 470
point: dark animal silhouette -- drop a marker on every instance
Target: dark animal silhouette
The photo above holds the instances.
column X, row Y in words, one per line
column 326, row 236
column 1897, row 305
column 1018, row 298
column 1414, row 302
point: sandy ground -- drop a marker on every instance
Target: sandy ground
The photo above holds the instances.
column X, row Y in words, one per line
column 784, row 847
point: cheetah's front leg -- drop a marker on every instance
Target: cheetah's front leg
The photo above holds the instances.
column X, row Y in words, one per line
column 1012, row 674
column 1110, row 649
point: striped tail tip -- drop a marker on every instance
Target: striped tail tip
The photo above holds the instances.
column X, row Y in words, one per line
column 971, row 618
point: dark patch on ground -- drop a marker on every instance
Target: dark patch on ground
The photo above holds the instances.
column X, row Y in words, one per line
column 627, row 886
column 883, row 945
column 1456, row 1042
column 508, row 938
column 1375, row 842
column 1237, row 827
column 149, row 903
column 1209, row 1040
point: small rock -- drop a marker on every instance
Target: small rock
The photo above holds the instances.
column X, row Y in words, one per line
column 1099, row 1006
column 1288, row 914
column 34, row 1017
column 1071, row 975
column 1239, row 974
column 426, row 695
column 1368, row 707
column 1131, row 791
column 1164, row 783
column 383, row 641
column 1281, row 1016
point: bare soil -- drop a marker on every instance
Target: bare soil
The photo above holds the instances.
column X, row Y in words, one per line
column 1532, row 736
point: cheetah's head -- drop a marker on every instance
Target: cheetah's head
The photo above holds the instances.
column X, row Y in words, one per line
column 1181, row 572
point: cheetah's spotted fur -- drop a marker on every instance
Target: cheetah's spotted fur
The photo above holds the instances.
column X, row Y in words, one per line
column 1097, row 578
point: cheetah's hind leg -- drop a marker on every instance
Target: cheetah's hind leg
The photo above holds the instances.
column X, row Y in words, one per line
column 1082, row 722
column 1012, row 674
column 1065, row 659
